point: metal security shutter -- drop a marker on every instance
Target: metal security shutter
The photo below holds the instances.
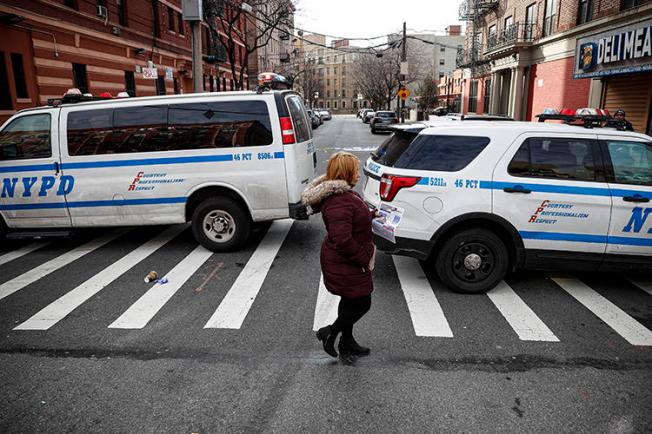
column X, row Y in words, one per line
column 632, row 93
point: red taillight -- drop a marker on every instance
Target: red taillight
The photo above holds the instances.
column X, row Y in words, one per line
column 287, row 131
column 391, row 184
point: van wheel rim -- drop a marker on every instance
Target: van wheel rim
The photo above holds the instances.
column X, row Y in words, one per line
column 219, row 226
column 473, row 262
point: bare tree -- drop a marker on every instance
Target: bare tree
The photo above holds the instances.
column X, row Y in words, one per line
column 307, row 80
column 242, row 32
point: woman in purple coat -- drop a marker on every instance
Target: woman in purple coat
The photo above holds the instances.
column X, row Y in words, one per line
column 347, row 253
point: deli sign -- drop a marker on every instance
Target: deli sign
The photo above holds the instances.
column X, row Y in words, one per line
column 623, row 50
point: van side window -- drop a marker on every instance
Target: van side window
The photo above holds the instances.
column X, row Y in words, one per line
column 632, row 162
column 303, row 130
column 26, row 137
column 441, row 153
column 89, row 132
column 224, row 124
column 554, row 158
column 139, row 129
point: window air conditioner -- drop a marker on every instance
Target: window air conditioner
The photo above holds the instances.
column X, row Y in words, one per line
column 102, row 12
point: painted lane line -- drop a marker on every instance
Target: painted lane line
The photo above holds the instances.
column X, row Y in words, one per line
column 626, row 326
column 15, row 254
column 643, row 284
column 527, row 325
column 233, row 309
column 425, row 311
column 326, row 308
column 148, row 305
column 43, row 270
column 62, row 307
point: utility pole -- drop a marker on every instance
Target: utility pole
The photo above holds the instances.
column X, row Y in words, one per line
column 403, row 59
column 197, row 75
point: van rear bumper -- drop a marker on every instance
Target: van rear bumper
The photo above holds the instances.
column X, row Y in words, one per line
column 298, row 211
column 419, row 249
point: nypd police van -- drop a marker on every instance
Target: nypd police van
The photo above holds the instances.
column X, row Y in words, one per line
column 224, row 161
column 478, row 199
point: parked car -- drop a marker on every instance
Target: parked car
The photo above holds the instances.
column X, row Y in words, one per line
column 325, row 114
column 478, row 200
column 368, row 116
column 158, row 160
column 382, row 121
column 315, row 120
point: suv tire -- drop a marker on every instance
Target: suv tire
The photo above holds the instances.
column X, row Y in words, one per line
column 472, row 261
column 221, row 224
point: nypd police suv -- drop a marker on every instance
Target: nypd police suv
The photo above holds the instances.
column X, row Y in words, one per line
column 221, row 160
column 479, row 199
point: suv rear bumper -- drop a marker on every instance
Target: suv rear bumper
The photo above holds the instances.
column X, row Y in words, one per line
column 419, row 249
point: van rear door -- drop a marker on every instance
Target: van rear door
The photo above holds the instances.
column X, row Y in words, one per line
column 298, row 147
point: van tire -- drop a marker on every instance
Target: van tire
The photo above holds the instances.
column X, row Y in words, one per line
column 234, row 224
column 458, row 258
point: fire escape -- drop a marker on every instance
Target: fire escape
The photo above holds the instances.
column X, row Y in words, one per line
column 472, row 55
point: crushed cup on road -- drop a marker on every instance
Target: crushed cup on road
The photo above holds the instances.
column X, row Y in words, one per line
column 151, row 277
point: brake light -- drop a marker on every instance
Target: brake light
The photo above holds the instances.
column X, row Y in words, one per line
column 287, row 131
column 391, row 184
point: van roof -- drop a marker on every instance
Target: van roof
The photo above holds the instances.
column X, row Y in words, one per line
column 159, row 98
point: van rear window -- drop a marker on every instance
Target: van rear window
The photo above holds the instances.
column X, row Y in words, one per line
column 441, row 153
column 393, row 147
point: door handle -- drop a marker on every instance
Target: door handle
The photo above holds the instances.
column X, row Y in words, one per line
column 56, row 167
column 517, row 189
column 636, row 198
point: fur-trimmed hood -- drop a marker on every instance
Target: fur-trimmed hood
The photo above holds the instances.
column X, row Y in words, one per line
column 320, row 189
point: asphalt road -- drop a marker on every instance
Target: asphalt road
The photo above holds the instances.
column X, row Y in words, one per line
column 171, row 374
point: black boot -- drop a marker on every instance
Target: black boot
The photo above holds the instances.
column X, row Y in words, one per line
column 348, row 345
column 326, row 336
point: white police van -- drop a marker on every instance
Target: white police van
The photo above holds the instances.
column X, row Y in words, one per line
column 224, row 161
column 481, row 198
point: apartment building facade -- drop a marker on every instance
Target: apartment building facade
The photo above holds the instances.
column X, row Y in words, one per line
column 522, row 56
column 49, row 46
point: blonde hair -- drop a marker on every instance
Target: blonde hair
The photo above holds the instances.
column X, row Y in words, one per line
column 342, row 166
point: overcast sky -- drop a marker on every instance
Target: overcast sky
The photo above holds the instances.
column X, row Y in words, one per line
column 369, row 18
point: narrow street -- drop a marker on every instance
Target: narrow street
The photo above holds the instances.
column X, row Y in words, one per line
column 137, row 357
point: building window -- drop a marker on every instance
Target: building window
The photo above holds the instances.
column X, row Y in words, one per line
column 19, row 75
column 441, row 75
column 160, row 85
column 231, row 84
column 130, row 83
column 175, row 85
column 343, row 92
column 122, row 11
column 328, row 82
column 549, row 17
column 343, row 104
column 224, row 84
column 328, row 104
column 181, row 24
column 335, row 70
column 628, row 4
column 203, row 83
column 156, row 19
column 442, row 49
column 170, row 19
column 585, row 11
column 71, row 4
column 210, row 83
column 487, row 96
column 473, row 97
column 530, row 21
column 334, row 105
column 79, row 79
column 328, row 93
column 5, row 97
column 509, row 22
column 442, row 61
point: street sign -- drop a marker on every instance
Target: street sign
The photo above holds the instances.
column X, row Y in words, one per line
column 150, row 73
column 403, row 93
column 169, row 73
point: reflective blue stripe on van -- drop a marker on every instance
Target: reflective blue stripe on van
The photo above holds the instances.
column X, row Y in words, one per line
column 585, row 238
column 93, row 203
column 27, row 168
column 563, row 189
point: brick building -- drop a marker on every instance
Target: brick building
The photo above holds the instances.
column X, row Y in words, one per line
column 48, row 46
column 522, row 56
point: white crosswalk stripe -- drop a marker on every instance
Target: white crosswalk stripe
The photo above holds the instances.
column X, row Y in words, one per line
column 626, row 326
column 326, row 307
column 643, row 284
column 62, row 307
column 15, row 254
column 43, row 270
column 527, row 325
column 141, row 312
column 427, row 315
column 231, row 313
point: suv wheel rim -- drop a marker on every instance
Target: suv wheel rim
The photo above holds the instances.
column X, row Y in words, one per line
column 473, row 262
column 219, row 226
